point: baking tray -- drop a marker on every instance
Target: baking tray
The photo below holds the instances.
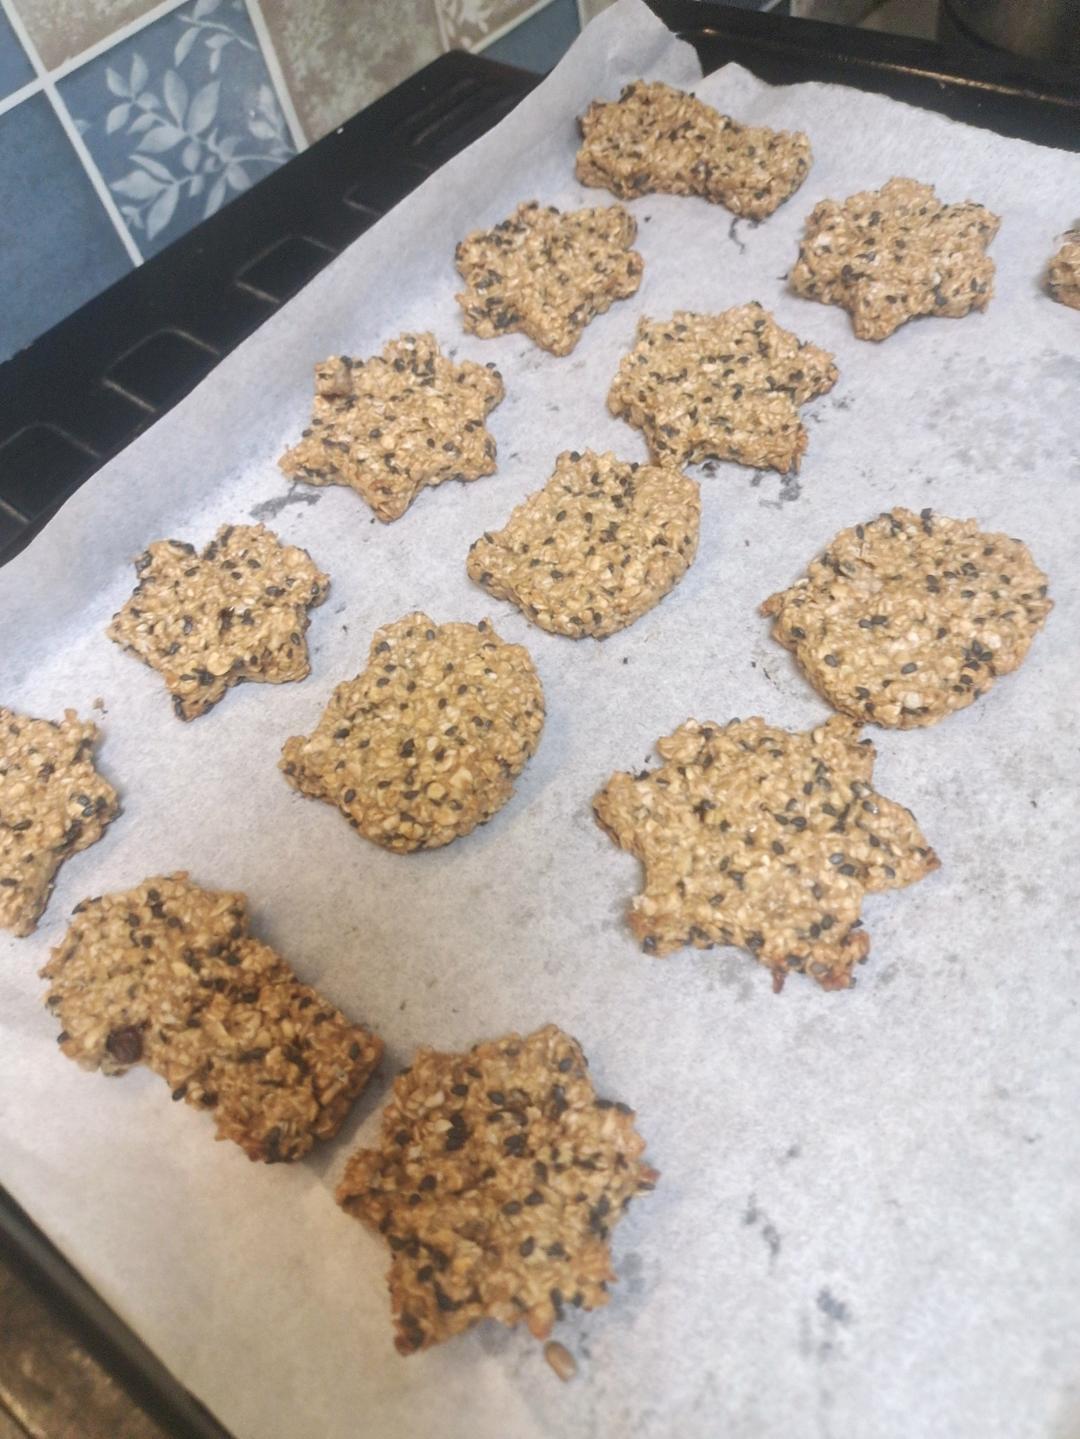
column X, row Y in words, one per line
column 1040, row 103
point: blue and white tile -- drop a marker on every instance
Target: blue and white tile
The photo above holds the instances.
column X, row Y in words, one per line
column 180, row 118
column 15, row 69
column 58, row 247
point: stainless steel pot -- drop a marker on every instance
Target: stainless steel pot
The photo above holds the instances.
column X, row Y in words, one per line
column 1046, row 29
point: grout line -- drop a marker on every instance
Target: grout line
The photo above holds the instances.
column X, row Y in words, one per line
column 277, row 75
column 115, row 37
column 62, row 114
column 501, row 30
column 18, row 96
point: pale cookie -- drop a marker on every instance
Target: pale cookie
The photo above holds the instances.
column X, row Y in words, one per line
column 757, row 837
column 1063, row 277
column 597, row 547
column 425, row 743
column 168, row 976
column 497, row 1182
column 388, row 426
column 889, row 255
column 655, row 137
column 547, row 273
column 720, row 387
column 236, row 612
column 53, row 803
column 909, row 617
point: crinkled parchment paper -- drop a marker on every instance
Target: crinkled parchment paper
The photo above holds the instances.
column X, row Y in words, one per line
column 867, row 1222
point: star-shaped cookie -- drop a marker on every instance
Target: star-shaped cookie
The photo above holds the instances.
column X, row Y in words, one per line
column 389, row 426
column 53, row 803
column 236, row 612
column 754, row 836
column 721, row 387
column 655, row 137
column 889, row 255
column 597, row 547
column 1063, row 277
column 911, row 616
column 547, row 273
column 497, row 1181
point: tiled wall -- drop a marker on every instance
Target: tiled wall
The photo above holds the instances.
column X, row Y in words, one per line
column 123, row 123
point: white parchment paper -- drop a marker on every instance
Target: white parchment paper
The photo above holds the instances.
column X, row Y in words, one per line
column 867, row 1222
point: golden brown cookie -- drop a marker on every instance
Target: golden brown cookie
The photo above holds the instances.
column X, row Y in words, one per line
column 236, row 612
column 547, row 273
column 53, row 803
column 908, row 617
column 425, row 743
column 498, row 1179
column 168, row 976
column 389, row 426
column 1063, row 277
column 596, row 548
column 720, row 387
column 757, row 837
column 889, row 255
column 655, row 137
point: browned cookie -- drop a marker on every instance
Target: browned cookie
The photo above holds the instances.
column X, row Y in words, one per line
column 721, row 387
column 1063, row 277
column 757, row 837
column 597, row 547
column 425, row 744
column 909, row 617
column 53, row 803
column 547, row 273
column 655, row 137
column 388, row 426
column 497, row 1181
column 168, row 976
column 236, row 612
column 888, row 255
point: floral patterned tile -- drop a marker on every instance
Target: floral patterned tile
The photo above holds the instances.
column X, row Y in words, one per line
column 467, row 23
column 15, row 69
column 179, row 118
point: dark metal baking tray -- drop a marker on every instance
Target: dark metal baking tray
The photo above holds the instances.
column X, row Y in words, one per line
column 82, row 391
